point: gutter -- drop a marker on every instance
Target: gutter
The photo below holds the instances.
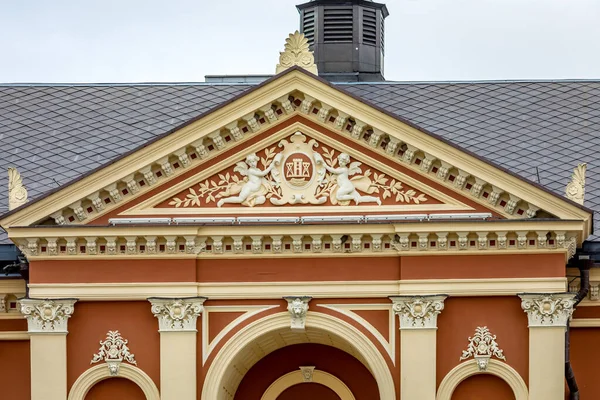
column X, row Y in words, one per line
column 584, row 261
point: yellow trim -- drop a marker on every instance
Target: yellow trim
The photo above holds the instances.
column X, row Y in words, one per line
column 282, row 86
column 316, row 289
column 12, row 286
column 216, row 375
column 295, row 378
column 469, row 368
column 146, row 207
column 11, row 315
column 585, row 323
column 98, row 373
column 15, row 335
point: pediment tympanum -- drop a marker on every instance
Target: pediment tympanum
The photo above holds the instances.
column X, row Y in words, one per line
column 299, row 170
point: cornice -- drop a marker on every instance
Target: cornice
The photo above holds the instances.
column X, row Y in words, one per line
column 402, row 143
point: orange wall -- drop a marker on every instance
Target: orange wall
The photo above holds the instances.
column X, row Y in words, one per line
column 107, row 271
column 484, row 386
column 92, row 320
column 329, row 359
column 13, row 325
column 115, row 389
column 585, row 353
column 298, row 269
column 14, row 369
column 484, row 266
column 502, row 315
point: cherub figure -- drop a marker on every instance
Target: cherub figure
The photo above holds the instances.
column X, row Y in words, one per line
column 255, row 186
column 346, row 190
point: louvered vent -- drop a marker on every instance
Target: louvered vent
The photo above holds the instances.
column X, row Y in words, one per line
column 369, row 27
column 337, row 24
column 308, row 26
column 382, row 37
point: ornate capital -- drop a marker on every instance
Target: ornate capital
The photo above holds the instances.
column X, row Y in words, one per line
column 482, row 346
column 298, row 308
column 47, row 316
column 547, row 309
column 177, row 315
column 418, row 312
column 114, row 351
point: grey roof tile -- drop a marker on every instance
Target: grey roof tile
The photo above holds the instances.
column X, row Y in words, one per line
column 55, row 133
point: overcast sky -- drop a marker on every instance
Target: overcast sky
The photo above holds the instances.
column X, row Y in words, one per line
column 184, row 40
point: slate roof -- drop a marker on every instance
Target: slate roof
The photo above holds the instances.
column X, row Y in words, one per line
column 540, row 130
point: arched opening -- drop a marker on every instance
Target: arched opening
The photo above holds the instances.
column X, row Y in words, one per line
column 303, row 391
column 483, row 386
column 262, row 337
column 115, row 388
column 99, row 373
column 275, row 373
column 468, row 369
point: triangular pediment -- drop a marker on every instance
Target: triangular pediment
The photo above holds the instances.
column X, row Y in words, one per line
column 299, row 169
column 427, row 172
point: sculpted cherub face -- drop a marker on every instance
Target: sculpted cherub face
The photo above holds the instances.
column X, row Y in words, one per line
column 252, row 160
column 343, row 159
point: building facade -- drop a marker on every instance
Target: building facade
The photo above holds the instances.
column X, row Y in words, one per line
column 298, row 240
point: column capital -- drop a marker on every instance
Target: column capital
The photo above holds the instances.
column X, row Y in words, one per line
column 298, row 308
column 177, row 314
column 418, row 312
column 547, row 309
column 47, row 316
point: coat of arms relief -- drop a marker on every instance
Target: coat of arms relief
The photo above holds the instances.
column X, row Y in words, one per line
column 298, row 170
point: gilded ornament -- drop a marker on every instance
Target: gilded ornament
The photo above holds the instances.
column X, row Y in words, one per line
column 296, row 53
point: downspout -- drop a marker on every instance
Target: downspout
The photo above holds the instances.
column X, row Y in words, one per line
column 584, row 264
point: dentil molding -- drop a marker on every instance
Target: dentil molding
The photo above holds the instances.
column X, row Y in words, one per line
column 47, row 316
column 298, row 308
column 482, row 346
column 418, row 312
column 114, row 350
column 547, row 309
column 177, row 315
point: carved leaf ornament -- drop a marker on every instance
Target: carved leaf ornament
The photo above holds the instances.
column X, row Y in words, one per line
column 482, row 346
column 113, row 350
column 296, row 52
column 297, row 174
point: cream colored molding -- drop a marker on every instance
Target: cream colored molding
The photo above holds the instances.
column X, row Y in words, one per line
column 315, row 289
column 17, row 194
column 418, row 312
column 468, row 369
column 113, row 351
column 248, row 312
column 298, row 377
column 298, row 309
column 296, row 53
column 310, row 88
column 14, row 287
column 585, row 323
column 92, row 376
column 177, row 315
column 217, row 378
column 14, row 335
column 47, row 316
column 348, row 310
column 482, row 346
column 547, row 310
column 576, row 188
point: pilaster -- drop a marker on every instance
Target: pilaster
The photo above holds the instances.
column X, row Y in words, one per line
column 47, row 327
column 547, row 315
column 177, row 326
column 418, row 336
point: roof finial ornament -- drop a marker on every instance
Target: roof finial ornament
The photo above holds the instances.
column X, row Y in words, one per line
column 17, row 194
column 576, row 188
column 296, row 53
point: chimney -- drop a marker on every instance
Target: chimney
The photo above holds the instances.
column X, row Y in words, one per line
column 346, row 37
